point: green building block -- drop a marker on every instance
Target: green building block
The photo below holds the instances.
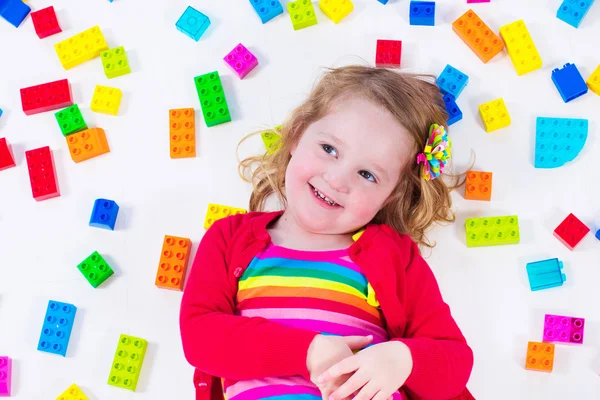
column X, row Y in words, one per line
column 70, row 120
column 302, row 14
column 115, row 62
column 492, row 231
column 95, row 269
column 127, row 363
column 271, row 138
column 212, row 99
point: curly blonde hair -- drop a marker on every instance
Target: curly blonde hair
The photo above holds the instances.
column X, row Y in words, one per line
column 413, row 99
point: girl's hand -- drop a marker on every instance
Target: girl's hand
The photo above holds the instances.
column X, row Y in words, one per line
column 378, row 372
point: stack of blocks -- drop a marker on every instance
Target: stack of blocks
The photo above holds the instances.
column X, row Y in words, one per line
column 422, row 13
column 302, row 14
column 127, row 363
column 182, row 133
column 545, row 274
column 56, row 330
column 492, row 231
column 212, row 99
column 478, row 36
column 241, row 61
column 558, row 140
column 216, row 212
column 571, row 231
column 95, row 269
column 267, row 9
column 173, row 262
column 193, row 23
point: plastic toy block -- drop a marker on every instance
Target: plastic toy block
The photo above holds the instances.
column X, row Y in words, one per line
column 478, row 36
column 383, row 1
column 182, row 133
column 106, row 100
column 95, row 269
column 14, row 11
column 87, row 144
column 127, row 362
column 271, row 139
column 569, row 82
column 267, row 9
column 336, row 10
column 558, row 328
column 558, row 140
column 81, row 47
column 388, row 53
column 0, row 112
column 57, row 327
column 114, row 62
column 477, row 1
column 173, row 262
column 545, row 274
column 452, row 81
column 212, row 99
column 216, row 212
column 422, row 13
column 6, row 156
column 241, row 61
column 540, row 356
column 104, row 214
column 70, row 120
column 42, row 174
column 571, row 231
column 598, row 234
column 46, row 97
column 478, row 186
column 193, row 23
column 302, row 14
column 494, row 115
column 45, row 22
column 520, row 47
column 593, row 82
column 454, row 112
column 492, row 231
column 5, row 376
column 573, row 11
column 72, row 393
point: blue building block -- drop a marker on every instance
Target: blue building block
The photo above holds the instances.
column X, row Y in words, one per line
column 573, row 11
column 0, row 112
column 14, row 11
column 57, row 327
column 193, row 23
column 452, row 81
column 558, row 140
column 267, row 9
column 104, row 214
column 422, row 13
column 383, row 1
column 569, row 82
column 598, row 234
column 454, row 113
column 545, row 274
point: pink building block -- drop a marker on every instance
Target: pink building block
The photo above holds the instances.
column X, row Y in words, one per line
column 477, row 1
column 558, row 328
column 241, row 61
column 5, row 375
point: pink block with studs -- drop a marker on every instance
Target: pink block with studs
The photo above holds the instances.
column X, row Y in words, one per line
column 559, row 328
column 241, row 60
column 5, row 375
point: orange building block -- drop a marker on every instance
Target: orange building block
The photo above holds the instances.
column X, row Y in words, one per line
column 540, row 356
column 182, row 133
column 173, row 262
column 478, row 36
column 87, row 144
column 478, row 186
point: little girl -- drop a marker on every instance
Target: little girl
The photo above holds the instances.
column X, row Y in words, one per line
column 330, row 298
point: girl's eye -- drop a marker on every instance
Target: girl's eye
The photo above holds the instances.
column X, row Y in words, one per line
column 367, row 175
column 329, row 149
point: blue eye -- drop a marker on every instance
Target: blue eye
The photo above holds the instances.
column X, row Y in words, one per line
column 367, row 175
column 329, row 149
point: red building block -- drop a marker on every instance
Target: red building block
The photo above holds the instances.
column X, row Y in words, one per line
column 6, row 157
column 46, row 97
column 45, row 22
column 42, row 174
column 571, row 231
column 388, row 53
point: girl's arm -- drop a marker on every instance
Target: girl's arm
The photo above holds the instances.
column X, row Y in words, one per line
column 225, row 345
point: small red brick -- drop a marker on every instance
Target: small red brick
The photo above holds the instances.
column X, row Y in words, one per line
column 571, row 231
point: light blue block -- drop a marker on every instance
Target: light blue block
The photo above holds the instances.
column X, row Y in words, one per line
column 383, row 1
column 558, row 140
column 545, row 274
column 193, row 23
column 573, row 11
column 56, row 330
column 267, row 9
column 452, row 81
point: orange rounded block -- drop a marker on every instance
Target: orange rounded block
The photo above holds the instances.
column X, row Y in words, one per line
column 173, row 262
column 478, row 186
column 87, row 144
column 182, row 133
column 540, row 356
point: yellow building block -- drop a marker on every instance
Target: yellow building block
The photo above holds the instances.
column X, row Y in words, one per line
column 216, row 212
column 520, row 47
column 106, row 100
column 494, row 115
column 72, row 393
column 593, row 81
column 336, row 10
column 81, row 47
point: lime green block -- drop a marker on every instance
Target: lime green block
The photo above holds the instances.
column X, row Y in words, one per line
column 70, row 120
column 302, row 14
column 115, row 62
column 95, row 269
column 212, row 99
column 492, row 231
column 127, row 363
column 271, row 139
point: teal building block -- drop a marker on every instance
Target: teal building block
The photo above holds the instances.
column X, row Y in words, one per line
column 558, row 140
column 545, row 274
column 193, row 23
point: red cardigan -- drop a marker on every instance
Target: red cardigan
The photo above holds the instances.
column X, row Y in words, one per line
column 220, row 344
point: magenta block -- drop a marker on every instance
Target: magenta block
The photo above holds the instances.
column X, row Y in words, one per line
column 477, row 1
column 5, row 375
column 558, row 328
column 241, row 61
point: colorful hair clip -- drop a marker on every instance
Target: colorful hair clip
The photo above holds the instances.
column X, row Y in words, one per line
column 436, row 153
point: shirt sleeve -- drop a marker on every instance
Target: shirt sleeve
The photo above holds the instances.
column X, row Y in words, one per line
column 225, row 345
column 442, row 360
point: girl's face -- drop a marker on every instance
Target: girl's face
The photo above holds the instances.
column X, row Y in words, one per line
column 345, row 167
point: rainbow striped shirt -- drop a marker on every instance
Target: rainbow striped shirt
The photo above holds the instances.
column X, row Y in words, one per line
column 323, row 291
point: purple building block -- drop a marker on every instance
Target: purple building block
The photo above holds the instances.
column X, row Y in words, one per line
column 558, row 328
column 5, row 375
column 241, row 61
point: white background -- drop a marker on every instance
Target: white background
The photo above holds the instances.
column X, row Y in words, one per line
column 487, row 288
